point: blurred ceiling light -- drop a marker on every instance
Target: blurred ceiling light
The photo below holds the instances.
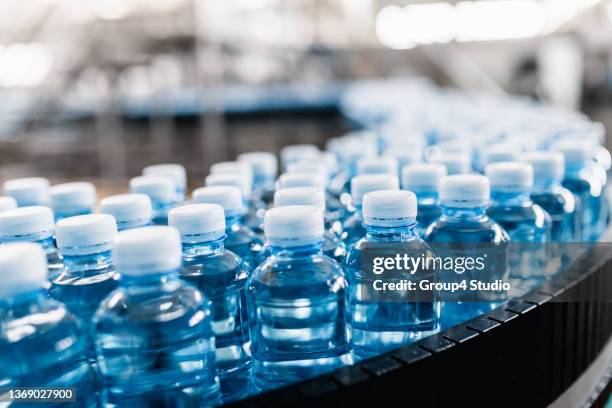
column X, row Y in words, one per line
column 24, row 65
column 391, row 30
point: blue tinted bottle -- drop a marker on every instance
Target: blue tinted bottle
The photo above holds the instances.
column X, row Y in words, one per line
column 220, row 275
column 162, row 192
column 42, row 344
column 463, row 227
column 88, row 276
column 381, row 321
column 71, row 199
column 239, row 239
column 129, row 210
column 174, row 171
column 297, row 301
column 423, row 179
column 154, row 341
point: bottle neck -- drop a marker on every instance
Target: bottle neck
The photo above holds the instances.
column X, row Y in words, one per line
column 204, row 249
column 297, row 251
column 461, row 213
column 263, row 182
column 232, row 222
column 91, row 262
column 393, row 234
column 427, row 198
column 547, row 186
column 159, row 281
column 510, row 198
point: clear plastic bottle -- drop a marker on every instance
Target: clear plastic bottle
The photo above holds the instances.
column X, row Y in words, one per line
column 297, row 302
column 41, row 342
column 583, row 179
column 239, row 239
column 7, row 203
column 221, row 276
column 423, row 179
column 525, row 222
column 154, row 341
column 129, row 210
column 465, row 225
column 265, row 169
column 381, row 322
column 162, row 192
column 352, row 228
column 176, row 172
column 32, row 224
column 548, row 193
column 29, row 191
column 71, row 199
column 85, row 243
column 332, row 244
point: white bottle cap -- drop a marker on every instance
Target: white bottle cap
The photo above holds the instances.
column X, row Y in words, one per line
column 232, row 167
column 547, row 166
column 423, row 177
column 288, row 180
column 73, row 197
column 500, row 152
column 298, row 152
column 26, row 224
column 28, row 191
column 464, row 191
column 300, row 196
column 240, row 180
column 130, row 210
column 575, row 152
column 176, row 172
column 405, row 155
column 264, row 164
column 293, row 225
column 228, row 197
column 160, row 189
column 198, row 222
column 23, row 268
column 7, row 203
column 371, row 182
column 85, row 234
column 308, row 167
column 330, row 160
column 510, row 176
column 456, row 163
column 389, row 208
column 378, row 165
column 147, row 251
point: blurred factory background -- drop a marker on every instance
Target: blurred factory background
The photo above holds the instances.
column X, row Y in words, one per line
column 98, row 89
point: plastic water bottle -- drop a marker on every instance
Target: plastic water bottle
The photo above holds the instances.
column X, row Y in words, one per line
column 423, row 179
column 32, row 224
column 7, row 203
column 41, row 343
column 162, row 192
column 176, row 172
column 154, row 341
column 89, row 275
column 265, row 169
column 220, row 275
column 29, row 191
column 352, row 228
column 239, row 239
column 581, row 178
column 380, row 322
column 525, row 222
column 378, row 165
column 456, row 163
column 548, row 193
column 464, row 224
column 332, row 244
column 129, row 210
column 71, row 199
column 302, row 179
column 298, row 152
column 297, row 302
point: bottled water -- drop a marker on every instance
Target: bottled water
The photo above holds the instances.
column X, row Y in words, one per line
column 302, row 179
column 332, row 245
column 176, row 172
column 89, row 275
column 498, row 152
column 154, row 341
column 41, row 343
column 297, row 302
column 220, row 275
column 548, row 193
column 28, row 191
column 298, row 152
column 265, row 168
column 162, row 192
column 464, row 225
column 239, row 239
column 423, row 179
column 129, row 210
column 352, row 229
column 378, row 165
column 381, row 322
column 32, row 224
column 455, row 163
column 7, row 203
column 524, row 221
column 581, row 178
column 70, row 199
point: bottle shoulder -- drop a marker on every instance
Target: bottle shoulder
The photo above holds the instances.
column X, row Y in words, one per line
column 481, row 230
